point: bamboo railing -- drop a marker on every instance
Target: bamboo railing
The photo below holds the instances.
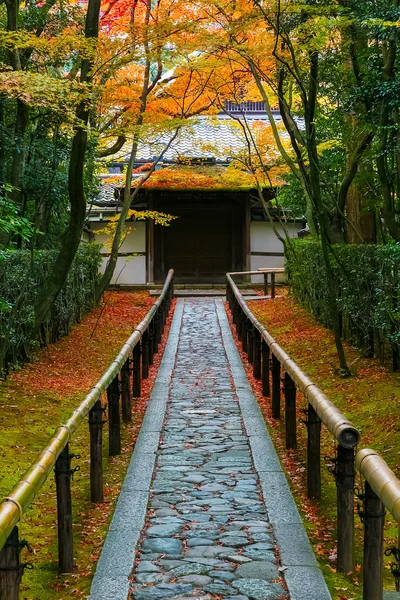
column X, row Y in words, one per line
column 266, row 356
column 121, row 380
column 382, row 487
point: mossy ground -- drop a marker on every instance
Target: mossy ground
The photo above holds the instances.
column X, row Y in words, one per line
column 33, row 402
column 370, row 399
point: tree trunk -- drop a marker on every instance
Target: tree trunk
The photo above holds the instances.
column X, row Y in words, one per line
column 72, row 236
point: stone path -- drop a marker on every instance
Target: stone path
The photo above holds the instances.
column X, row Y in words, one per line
column 208, row 532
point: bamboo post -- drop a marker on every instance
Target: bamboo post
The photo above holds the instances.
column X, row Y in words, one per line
column 272, row 285
column 114, row 421
column 374, row 519
column 256, row 354
column 64, row 511
column 136, row 387
column 265, row 368
column 276, row 388
column 313, row 454
column 290, row 413
column 250, row 347
column 96, row 453
column 10, row 568
column 265, row 284
column 345, row 474
column 145, row 355
column 126, row 397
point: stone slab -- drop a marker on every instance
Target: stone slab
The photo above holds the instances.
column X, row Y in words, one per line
column 306, row 583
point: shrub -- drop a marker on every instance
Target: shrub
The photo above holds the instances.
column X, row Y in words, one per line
column 22, row 274
column 366, row 279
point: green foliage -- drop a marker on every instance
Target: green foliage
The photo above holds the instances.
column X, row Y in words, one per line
column 22, row 274
column 366, row 282
column 10, row 220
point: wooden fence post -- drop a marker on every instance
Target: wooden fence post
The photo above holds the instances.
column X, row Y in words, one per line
column 126, row 397
column 374, row 519
column 250, row 337
column 114, row 421
column 313, row 454
column 265, row 284
column 145, row 355
column 136, row 387
column 272, row 285
column 10, row 568
column 151, row 343
column 64, row 512
column 345, row 474
column 244, row 332
column 256, row 354
column 276, row 388
column 265, row 368
column 96, row 452
column 156, row 333
column 290, row 413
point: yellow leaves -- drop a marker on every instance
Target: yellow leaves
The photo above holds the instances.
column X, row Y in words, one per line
column 327, row 145
column 159, row 218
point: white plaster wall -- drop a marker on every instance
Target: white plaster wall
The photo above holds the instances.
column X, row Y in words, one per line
column 135, row 241
column 263, row 239
column 130, row 270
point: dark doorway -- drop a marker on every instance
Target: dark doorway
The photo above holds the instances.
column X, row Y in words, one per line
column 205, row 242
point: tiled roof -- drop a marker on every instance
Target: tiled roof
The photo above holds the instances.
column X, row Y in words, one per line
column 219, row 138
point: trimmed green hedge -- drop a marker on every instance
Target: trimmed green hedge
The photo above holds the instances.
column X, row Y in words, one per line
column 22, row 274
column 367, row 286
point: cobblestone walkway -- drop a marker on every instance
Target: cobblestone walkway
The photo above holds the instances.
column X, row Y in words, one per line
column 205, row 504
column 207, row 528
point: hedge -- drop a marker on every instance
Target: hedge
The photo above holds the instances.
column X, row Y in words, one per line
column 366, row 279
column 22, row 274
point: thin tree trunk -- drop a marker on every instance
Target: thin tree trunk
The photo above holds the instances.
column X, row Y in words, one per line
column 72, row 236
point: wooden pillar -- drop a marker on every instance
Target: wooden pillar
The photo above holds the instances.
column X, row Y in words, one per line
column 114, row 421
column 136, row 386
column 96, row 452
column 313, row 454
column 345, row 474
column 265, row 368
column 256, row 354
column 290, row 413
column 64, row 512
column 126, row 396
column 265, row 284
column 247, row 240
column 150, row 245
column 276, row 388
column 145, row 355
column 272, row 285
column 374, row 519
column 10, row 568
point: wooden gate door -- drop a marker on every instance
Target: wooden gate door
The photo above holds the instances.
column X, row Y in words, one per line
column 199, row 248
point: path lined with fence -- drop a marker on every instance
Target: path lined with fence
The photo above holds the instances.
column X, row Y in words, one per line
column 216, row 517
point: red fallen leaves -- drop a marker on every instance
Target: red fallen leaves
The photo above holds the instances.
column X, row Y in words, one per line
column 74, row 363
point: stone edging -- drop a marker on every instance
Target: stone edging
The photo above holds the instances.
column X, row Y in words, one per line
column 118, row 554
column 302, row 574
